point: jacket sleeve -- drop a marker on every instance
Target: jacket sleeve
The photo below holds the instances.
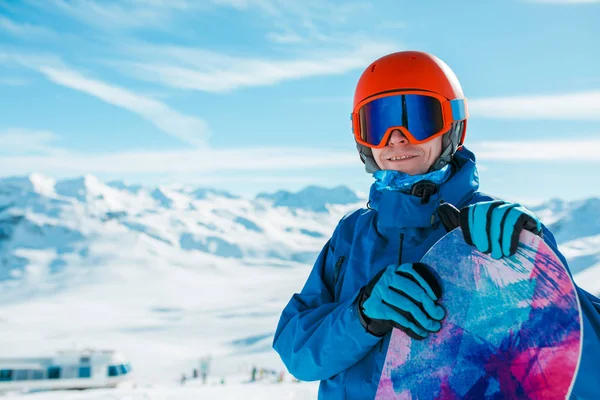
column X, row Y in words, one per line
column 316, row 337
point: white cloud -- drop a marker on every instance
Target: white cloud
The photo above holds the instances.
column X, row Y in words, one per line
column 123, row 14
column 152, row 14
column 184, row 127
column 23, row 141
column 25, row 31
column 195, row 69
column 322, row 21
column 179, row 162
column 230, row 178
column 288, row 22
column 564, row 151
column 189, row 129
column 248, row 161
column 570, row 106
column 298, row 23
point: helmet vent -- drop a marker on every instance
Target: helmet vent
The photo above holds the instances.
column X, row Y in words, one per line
column 373, row 67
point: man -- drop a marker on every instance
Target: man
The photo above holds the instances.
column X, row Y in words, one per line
column 409, row 122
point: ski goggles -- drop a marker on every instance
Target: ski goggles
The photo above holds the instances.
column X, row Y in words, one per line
column 420, row 115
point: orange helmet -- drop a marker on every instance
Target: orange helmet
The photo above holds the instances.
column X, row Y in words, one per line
column 412, row 71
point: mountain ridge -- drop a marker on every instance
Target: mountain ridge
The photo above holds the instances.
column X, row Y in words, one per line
column 38, row 212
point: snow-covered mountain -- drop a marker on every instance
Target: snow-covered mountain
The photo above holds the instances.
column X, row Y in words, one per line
column 70, row 222
column 312, row 198
column 576, row 227
column 172, row 273
column 49, row 226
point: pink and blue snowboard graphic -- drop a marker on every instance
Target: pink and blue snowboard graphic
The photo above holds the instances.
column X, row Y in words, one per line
column 512, row 331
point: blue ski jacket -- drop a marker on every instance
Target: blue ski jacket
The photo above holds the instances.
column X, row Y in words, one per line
column 319, row 335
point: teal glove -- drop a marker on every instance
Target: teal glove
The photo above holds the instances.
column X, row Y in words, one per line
column 403, row 297
column 493, row 227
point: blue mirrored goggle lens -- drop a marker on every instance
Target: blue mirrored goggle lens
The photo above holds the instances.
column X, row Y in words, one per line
column 421, row 115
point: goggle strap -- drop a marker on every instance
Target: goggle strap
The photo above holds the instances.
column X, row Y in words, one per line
column 458, row 109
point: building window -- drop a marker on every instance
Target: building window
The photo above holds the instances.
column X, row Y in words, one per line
column 84, row 360
column 113, row 370
column 53, row 372
column 85, row 372
column 6, row 375
column 69, row 372
column 21, row 374
column 37, row 374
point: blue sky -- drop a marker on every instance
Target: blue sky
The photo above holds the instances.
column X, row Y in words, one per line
column 255, row 95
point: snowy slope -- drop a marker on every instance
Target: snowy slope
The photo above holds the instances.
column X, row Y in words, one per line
column 169, row 274
column 164, row 274
column 576, row 227
column 235, row 391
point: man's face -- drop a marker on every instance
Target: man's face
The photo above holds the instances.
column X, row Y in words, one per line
column 422, row 156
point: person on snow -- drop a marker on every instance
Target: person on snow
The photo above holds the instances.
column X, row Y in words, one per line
column 409, row 123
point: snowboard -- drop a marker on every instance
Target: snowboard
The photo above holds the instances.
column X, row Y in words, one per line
column 512, row 328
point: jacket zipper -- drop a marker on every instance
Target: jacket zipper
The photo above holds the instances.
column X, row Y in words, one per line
column 336, row 269
column 400, row 251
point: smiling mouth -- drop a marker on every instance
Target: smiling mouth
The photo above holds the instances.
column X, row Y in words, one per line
column 400, row 158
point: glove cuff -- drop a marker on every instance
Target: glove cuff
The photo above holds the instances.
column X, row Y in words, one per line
column 375, row 327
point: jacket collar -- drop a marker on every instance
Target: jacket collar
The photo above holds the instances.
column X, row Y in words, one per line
column 397, row 209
